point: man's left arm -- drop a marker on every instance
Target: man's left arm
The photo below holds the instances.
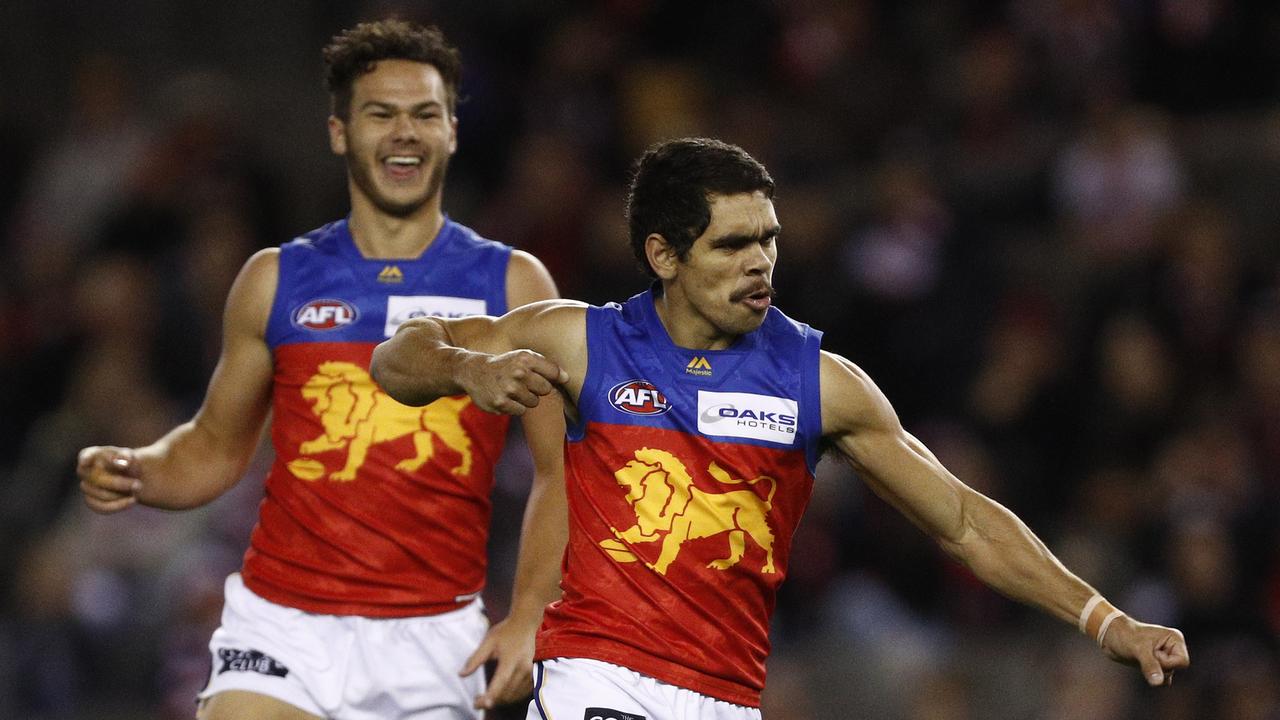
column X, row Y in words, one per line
column 544, row 530
column 979, row 532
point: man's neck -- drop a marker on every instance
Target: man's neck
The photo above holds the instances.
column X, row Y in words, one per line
column 379, row 235
column 687, row 327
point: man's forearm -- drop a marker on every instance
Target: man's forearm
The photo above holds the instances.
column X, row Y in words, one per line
column 543, row 535
column 418, row 364
column 1006, row 555
column 188, row 467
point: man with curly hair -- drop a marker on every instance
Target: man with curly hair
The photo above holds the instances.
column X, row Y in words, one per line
column 697, row 414
column 359, row 594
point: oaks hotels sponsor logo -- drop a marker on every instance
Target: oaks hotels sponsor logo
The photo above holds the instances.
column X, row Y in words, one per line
column 325, row 314
column 406, row 307
column 638, row 397
column 747, row 415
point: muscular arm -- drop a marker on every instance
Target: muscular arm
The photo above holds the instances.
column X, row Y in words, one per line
column 993, row 542
column 505, row 364
column 200, row 459
column 544, row 531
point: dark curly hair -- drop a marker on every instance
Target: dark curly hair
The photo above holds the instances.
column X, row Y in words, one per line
column 355, row 51
column 671, row 188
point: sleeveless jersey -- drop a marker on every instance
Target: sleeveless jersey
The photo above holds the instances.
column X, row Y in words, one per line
column 372, row 507
column 687, row 472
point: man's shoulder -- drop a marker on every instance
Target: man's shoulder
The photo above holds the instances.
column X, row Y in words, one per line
column 467, row 237
column 321, row 239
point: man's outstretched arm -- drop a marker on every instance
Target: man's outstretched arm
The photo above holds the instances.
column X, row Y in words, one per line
column 993, row 542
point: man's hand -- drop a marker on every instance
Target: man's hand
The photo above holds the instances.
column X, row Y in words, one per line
column 108, row 478
column 511, row 644
column 509, row 383
column 1157, row 650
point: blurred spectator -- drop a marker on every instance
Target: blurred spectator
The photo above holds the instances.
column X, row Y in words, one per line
column 1135, row 392
column 75, row 181
column 541, row 208
column 1259, row 373
column 1113, row 183
column 1082, row 689
column 894, row 272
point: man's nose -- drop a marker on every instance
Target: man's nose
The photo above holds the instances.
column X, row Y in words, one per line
column 404, row 127
column 758, row 259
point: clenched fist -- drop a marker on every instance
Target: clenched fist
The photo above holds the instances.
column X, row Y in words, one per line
column 509, row 383
column 108, row 478
column 1158, row 651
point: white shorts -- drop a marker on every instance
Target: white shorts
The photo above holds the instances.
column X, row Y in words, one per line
column 344, row 666
column 582, row 689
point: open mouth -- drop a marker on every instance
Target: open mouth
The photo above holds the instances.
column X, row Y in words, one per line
column 758, row 298
column 402, row 167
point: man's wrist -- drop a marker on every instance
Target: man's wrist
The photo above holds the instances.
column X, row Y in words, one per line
column 1096, row 618
column 466, row 364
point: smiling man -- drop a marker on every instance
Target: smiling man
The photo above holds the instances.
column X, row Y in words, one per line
column 359, row 592
column 697, row 413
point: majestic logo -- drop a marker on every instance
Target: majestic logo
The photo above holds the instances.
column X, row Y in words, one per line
column 324, row 314
column 638, row 397
column 391, row 274
column 608, row 714
column 407, row 307
column 745, row 415
column 671, row 510
column 698, row 366
column 250, row 661
column 356, row 415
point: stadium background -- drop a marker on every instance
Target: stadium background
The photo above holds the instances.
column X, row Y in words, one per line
column 1049, row 228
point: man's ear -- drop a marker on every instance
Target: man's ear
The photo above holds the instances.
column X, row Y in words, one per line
column 662, row 257
column 453, row 134
column 337, row 135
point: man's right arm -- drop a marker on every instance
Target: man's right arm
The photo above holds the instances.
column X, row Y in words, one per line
column 200, row 459
column 505, row 364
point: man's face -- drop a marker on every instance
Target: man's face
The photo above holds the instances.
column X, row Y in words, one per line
column 399, row 136
column 727, row 276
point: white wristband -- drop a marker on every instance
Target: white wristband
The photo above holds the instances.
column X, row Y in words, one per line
column 1106, row 624
column 1088, row 609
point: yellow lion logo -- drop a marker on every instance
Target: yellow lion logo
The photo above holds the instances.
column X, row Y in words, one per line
column 355, row 414
column 669, row 508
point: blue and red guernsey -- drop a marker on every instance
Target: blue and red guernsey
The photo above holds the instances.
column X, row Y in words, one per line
column 372, row 507
column 687, row 473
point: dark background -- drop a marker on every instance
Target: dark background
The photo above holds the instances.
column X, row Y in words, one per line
column 1048, row 228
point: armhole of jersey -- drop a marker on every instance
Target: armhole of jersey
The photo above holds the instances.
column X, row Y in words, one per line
column 278, row 319
column 575, row 429
column 500, row 299
column 811, row 396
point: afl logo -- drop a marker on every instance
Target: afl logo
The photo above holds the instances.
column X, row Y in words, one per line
column 324, row 315
column 638, row 397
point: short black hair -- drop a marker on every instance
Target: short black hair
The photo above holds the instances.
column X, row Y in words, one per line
column 355, row 51
column 671, row 188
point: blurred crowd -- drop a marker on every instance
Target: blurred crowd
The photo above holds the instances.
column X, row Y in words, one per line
column 1050, row 230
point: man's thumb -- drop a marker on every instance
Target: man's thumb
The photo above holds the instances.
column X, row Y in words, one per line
column 1151, row 669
